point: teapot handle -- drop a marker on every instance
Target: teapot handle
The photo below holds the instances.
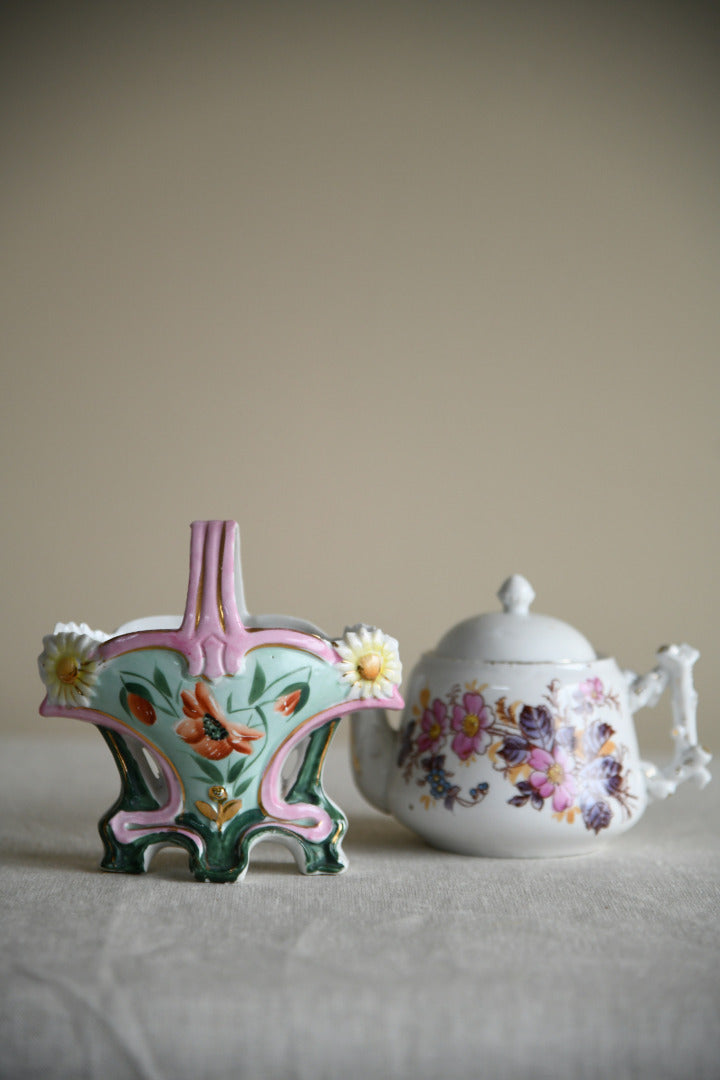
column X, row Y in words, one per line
column 674, row 667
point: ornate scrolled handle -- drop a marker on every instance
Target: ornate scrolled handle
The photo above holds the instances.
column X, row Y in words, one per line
column 690, row 760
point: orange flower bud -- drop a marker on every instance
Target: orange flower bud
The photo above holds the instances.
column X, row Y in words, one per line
column 287, row 704
column 141, row 709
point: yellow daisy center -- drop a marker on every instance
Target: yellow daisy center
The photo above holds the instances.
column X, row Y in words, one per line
column 67, row 669
column 369, row 666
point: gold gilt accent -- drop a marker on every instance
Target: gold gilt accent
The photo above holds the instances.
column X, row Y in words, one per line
column 226, row 808
column 293, row 821
column 326, row 747
column 135, row 736
column 120, row 760
column 338, row 832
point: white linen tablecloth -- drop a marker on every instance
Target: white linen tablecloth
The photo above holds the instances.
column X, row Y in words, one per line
column 411, row 964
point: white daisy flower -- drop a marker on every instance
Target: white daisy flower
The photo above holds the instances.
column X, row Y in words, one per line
column 80, row 629
column 369, row 661
column 68, row 667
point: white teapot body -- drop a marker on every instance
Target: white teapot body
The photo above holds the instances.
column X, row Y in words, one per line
column 527, row 756
column 525, row 760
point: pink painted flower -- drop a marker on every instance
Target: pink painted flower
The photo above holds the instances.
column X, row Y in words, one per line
column 589, row 693
column 471, row 723
column 434, row 725
column 551, row 775
column 593, row 689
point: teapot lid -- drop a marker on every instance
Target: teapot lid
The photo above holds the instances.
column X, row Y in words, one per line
column 514, row 635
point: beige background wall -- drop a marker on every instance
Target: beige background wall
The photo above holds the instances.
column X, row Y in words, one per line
column 422, row 294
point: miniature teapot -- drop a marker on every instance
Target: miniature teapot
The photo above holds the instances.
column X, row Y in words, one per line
column 518, row 740
column 219, row 721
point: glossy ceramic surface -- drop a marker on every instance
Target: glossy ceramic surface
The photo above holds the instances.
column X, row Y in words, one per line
column 517, row 740
column 218, row 722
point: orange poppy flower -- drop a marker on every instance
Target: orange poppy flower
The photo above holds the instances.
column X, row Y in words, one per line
column 287, row 704
column 207, row 731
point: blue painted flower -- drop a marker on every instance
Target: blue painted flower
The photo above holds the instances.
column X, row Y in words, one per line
column 436, row 776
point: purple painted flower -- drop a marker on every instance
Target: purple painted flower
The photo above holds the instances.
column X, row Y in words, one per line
column 599, row 778
column 551, row 776
column 526, row 791
column 471, row 723
column 514, row 749
column 597, row 816
column 537, row 726
column 434, row 726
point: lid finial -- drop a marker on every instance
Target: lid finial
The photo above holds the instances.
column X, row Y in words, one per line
column 516, row 595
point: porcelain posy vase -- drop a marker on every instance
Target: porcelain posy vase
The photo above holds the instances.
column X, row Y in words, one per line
column 218, row 721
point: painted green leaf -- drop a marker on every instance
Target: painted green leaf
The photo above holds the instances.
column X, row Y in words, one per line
column 161, row 682
column 244, row 786
column 263, row 717
column 210, row 770
column 235, row 770
column 124, row 700
column 258, row 685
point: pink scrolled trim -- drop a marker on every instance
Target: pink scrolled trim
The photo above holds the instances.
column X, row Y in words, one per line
column 138, row 822
column 290, row 815
column 212, row 634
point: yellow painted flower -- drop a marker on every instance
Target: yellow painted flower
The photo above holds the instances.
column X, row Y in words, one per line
column 68, row 667
column 369, row 661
